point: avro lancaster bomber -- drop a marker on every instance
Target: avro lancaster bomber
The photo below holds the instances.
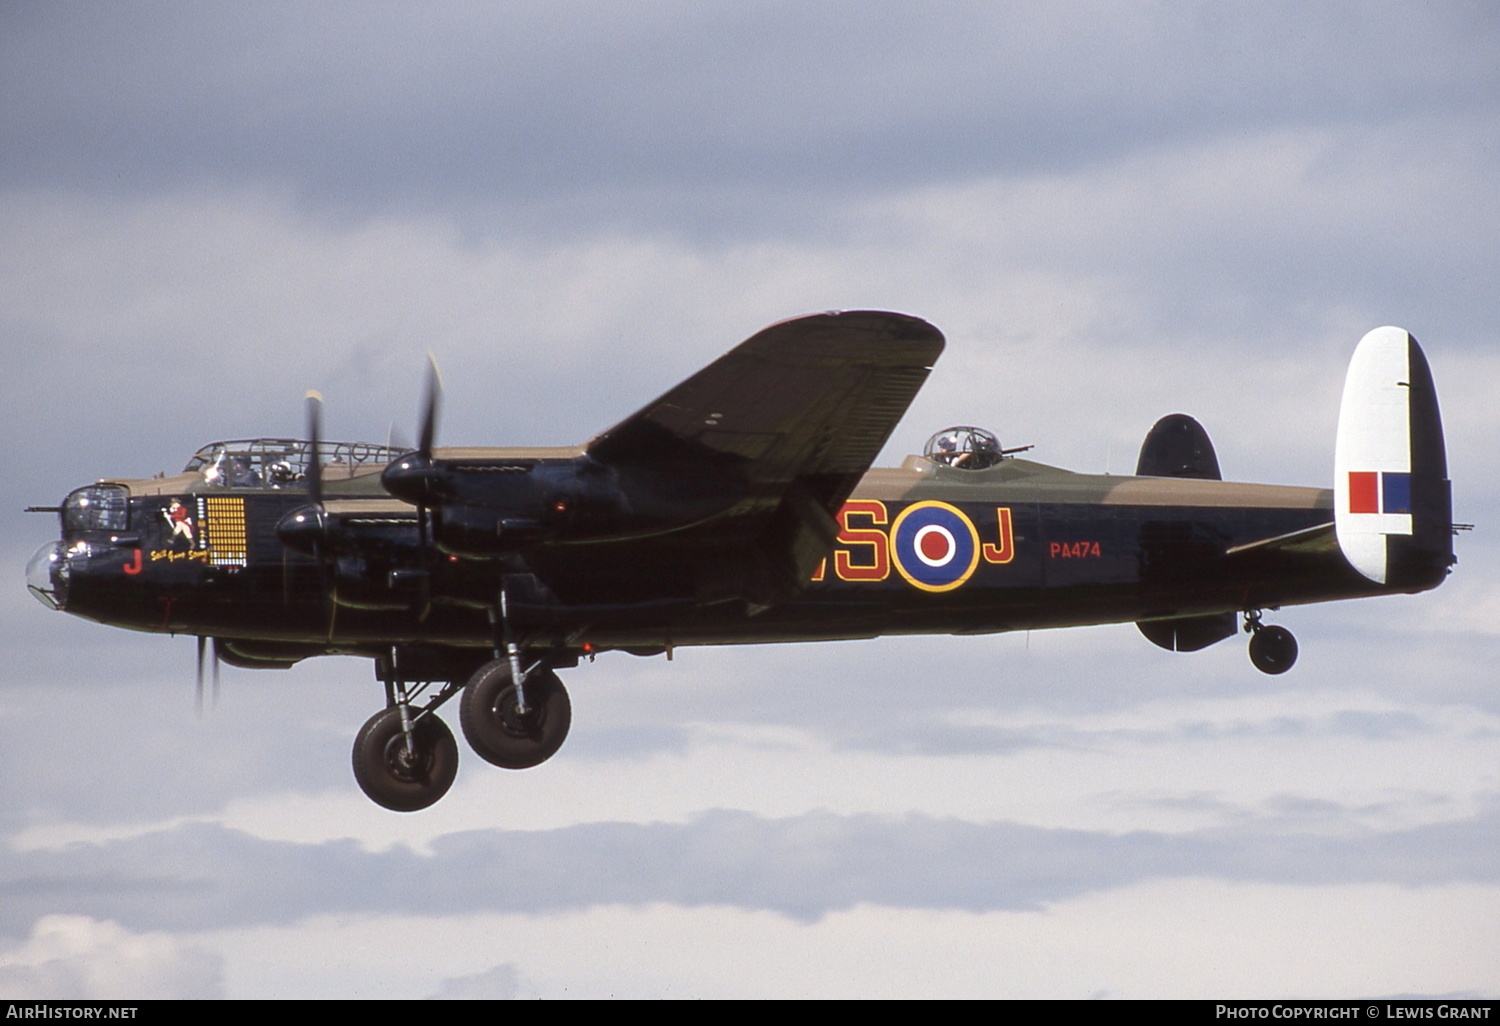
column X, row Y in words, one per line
column 739, row 507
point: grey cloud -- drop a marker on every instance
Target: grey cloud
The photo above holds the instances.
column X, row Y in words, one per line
column 214, row 208
column 207, row 877
column 613, row 742
column 503, row 982
column 78, row 958
column 934, row 735
column 101, row 724
column 362, row 104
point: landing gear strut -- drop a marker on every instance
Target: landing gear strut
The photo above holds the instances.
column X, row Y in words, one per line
column 514, row 716
column 1273, row 649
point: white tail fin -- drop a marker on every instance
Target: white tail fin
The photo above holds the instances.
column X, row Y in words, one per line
column 1392, row 512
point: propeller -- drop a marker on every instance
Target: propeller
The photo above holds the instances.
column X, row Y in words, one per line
column 315, row 497
column 306, row 529
column 396, row 439
column 198, row 684
column 434, row 394
column 315, row 456
column 415, row 477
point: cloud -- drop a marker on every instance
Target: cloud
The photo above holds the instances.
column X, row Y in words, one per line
column 1181, row 937
column 595, row 104
column 206, row 877
column 79, row 958
column 1135, row 289
column 500, row 983
column 1114, row 213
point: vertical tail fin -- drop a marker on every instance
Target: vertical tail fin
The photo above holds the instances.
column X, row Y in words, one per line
column 1177, row 446
column 1393, row 511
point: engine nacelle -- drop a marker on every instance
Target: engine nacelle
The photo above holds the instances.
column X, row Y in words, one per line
column 496, row 508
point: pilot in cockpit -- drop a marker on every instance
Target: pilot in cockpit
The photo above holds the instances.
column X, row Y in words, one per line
column 231, row 472
column 242, row 474
column 281, row 474
column 965, row 448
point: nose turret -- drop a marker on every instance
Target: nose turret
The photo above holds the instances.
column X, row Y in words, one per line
column 47, row 575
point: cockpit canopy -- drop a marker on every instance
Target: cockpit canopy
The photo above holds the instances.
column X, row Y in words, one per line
column 964, row 447
column 281, row 462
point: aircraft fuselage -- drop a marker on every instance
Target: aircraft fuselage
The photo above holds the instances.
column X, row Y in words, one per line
column 920, row 549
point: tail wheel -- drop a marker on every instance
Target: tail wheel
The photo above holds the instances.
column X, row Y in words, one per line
column 498, row 732
column 1273, row 649
column 399, row 777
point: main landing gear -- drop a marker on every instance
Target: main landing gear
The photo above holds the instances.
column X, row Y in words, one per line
column 405, row 757
column 515, row 714
column 1273, row 649
column 502, row 730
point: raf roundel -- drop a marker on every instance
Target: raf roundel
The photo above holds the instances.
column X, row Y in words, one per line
column 935, row 545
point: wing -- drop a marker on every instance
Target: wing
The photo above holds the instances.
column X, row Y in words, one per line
column 809, row 399
column 782, row 426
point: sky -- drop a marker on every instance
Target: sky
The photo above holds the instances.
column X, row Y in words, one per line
column 1114, row 211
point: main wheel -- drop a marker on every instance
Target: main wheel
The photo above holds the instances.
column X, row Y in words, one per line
column 390, row 775
column 501, row 735
column 1273, row 649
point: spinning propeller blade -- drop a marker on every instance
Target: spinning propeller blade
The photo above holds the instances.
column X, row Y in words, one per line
column 306, row 529
column 395, row 438
column 315, row 497
column 198, row 682
column 414, row 477
column 430, row 403
column 434, row 394
column 315, row 456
